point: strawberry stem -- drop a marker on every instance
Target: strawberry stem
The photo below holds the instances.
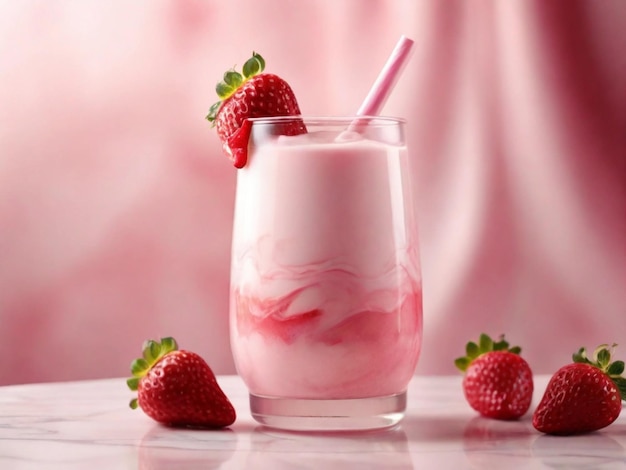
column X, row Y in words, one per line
column 233, row 80
column 602, row 360
column 152, row 352
column 485, row 344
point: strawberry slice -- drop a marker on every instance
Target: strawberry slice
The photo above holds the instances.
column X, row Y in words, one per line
column 253, row 94
column 178, row 388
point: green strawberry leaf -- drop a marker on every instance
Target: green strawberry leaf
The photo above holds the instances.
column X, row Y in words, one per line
column 616, row 368
column 603, row 357
column 151, row 350
column 133, row 383
column 502, row 345
column 233, row 79
column 168, row 345
column 472, row 350
column 224, row 90
column 253, row 66
column 485, row 344
column 212, row 114
column 139, row 367
column 580, row 356
column 462, row 363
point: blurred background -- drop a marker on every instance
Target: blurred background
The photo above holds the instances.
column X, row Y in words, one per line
column 116, row 202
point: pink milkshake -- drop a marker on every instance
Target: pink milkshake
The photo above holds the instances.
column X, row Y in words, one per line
column 326, row 306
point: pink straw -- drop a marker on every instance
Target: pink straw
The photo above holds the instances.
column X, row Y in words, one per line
column 381, row 89
column 387, row 78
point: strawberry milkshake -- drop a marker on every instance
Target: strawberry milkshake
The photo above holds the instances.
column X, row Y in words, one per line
column 326, row 300
column 326, row 305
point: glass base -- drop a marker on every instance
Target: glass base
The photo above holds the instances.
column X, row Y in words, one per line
column 328, row 415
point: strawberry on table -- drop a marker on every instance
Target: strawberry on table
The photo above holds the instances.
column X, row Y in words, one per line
column 178, row 388
column 498, row 382
column 583, row 396
column 253, row 94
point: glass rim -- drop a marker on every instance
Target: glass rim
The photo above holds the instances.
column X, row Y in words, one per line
column 321, row 119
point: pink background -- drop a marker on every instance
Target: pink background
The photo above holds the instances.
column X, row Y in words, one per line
column 116, row 203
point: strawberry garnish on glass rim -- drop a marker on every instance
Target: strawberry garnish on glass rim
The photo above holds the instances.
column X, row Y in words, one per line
column 251, row 94
column 178, row 388
column 583, row 396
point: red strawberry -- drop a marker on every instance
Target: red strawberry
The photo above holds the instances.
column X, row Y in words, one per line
column 178, row 388
column 583, row 396
column 498, row 382
column 252, row 95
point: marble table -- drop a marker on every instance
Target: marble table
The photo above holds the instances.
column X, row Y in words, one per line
column 88, row 425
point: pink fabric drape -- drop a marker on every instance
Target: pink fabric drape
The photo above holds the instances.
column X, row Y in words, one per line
column 116, row 204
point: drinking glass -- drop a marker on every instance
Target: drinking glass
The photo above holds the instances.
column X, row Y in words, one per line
column 326, row 298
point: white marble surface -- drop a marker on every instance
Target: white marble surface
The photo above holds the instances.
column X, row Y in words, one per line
column 88, row 425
